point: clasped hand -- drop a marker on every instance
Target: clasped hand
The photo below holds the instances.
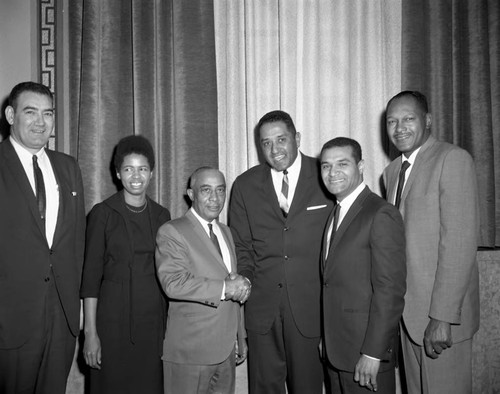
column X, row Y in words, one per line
column 237, row 287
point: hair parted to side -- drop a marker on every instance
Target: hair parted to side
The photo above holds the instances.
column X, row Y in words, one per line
column 341, row 142
column 277, row 116
column 133, row 144
column 29, row 86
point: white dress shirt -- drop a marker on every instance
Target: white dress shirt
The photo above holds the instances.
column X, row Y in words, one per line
column 49, row 179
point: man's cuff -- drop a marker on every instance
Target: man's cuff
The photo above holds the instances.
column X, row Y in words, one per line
column 371, row 358
column 223, row 295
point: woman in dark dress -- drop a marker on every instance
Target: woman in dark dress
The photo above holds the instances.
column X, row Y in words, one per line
column 124, row 306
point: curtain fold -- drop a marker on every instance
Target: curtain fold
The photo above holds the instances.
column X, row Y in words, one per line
column 144, row 67
column 451, row 52
column 331, row 64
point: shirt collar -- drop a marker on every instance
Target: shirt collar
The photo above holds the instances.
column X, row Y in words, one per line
column 349, row 200
column 294, row 169
column 412, row 157
column 24, row 154
column 203, row 222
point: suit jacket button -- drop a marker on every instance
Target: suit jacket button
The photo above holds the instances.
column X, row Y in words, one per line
column 286, row 257
column 47, row 279
column 389, row 350
column 280, row 285
column 285, row 229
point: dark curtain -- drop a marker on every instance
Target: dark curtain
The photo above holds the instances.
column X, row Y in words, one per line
column 451, row 53
column 143, row 67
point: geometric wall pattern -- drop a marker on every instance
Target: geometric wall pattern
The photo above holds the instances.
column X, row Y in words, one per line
column 47, row 47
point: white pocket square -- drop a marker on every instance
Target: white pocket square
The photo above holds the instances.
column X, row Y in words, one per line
column 74, row 194
column 316, row 207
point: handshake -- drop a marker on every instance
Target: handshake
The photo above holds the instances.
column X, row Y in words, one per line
column 237, row 288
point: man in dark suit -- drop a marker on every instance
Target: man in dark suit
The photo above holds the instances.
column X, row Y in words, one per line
column 42, row 226
column 437, row 197
column 364, row 276
column 196, row 264
column 277, row 214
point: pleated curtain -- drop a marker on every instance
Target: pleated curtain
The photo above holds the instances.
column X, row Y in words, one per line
column 143, row 67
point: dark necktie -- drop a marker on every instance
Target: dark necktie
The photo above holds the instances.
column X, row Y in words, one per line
column 40, row 188
column 401, row 182
column 284, row 194
column 214, row 239
column 336, row 214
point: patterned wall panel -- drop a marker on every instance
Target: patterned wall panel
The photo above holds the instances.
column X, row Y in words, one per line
column 47, row 36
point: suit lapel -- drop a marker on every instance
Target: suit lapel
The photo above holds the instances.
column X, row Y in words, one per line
column 300, row 196
column 267, row 189
column 420, row 160
column 392, row 180
column 20, row 177
column 62, row 197
column 204, row 238
column 227, row 238
column 348, row 218
column 325, row 236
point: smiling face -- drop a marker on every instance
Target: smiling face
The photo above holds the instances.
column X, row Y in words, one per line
column 208, row 193
column 408, row 125
column 279, row 146
column 135, row 174
column 340, row 172
column 31, row 121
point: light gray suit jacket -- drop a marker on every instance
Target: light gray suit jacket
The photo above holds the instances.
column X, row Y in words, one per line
column 201, row 329
column 439, row 206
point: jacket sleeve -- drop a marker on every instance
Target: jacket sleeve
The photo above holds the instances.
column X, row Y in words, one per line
column 458, row 235
column 388, row 279
column 177, row 269
column 95, row 248
column 240, row 227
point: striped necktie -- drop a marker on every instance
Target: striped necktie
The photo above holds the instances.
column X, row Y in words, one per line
column 284, row 194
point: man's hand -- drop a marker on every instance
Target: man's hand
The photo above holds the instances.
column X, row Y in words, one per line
column 366, row 372
column 437, row 337
column 241, row 354
column 238, row 288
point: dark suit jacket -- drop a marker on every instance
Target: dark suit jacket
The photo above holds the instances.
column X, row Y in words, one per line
column 439, row 205
column 25, row 257
column 364, row 282
column 201, row 329
column 274, row 251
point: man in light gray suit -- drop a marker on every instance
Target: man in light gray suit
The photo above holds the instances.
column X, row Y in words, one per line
column 196, row 263
column 437, row 197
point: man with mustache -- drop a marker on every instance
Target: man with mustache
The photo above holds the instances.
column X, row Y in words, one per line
column 196, row 265
column 437, row 197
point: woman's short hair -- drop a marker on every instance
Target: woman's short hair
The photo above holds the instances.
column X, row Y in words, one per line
column 133, row 144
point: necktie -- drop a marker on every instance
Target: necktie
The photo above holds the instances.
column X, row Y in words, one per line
column 214, row 239
column 401, row 182
column 284, row 194
column 336, row 214
column 40, row 187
